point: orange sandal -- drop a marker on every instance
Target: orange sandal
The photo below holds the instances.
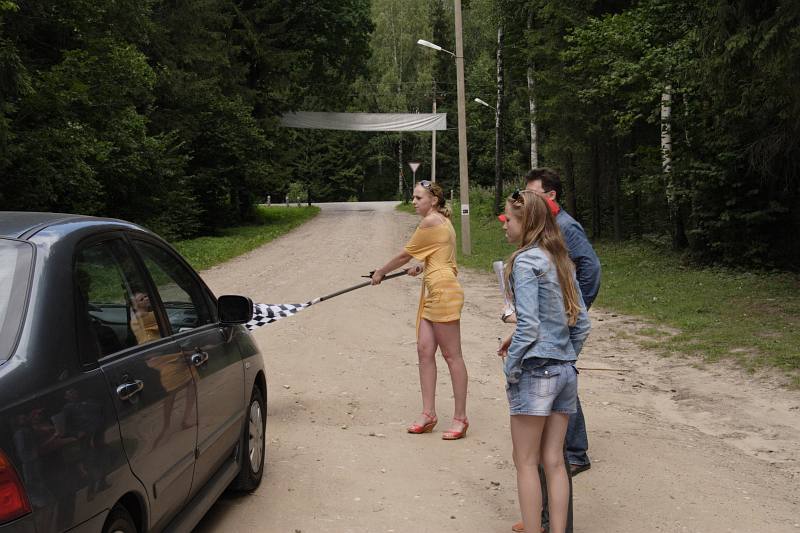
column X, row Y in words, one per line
column 427, row 427
column 455, row 435
column 519, row 528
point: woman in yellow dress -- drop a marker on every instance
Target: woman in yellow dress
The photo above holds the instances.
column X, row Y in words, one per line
column 441, row 300
column 143, row 321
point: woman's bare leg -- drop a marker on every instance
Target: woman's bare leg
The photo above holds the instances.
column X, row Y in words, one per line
column 448, row 337
column 426, row 353
column 552, row 454
column 526, row 435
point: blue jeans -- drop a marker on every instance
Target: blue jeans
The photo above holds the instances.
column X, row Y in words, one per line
column 577, row 441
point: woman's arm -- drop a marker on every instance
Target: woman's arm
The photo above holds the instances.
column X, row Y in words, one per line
column 526, row 303
column 580, row 331
column 395, row 262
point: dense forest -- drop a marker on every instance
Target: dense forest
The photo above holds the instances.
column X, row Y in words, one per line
column 674, row 121
column 166, row 112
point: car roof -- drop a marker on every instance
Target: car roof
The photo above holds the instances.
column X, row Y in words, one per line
column 21, row 224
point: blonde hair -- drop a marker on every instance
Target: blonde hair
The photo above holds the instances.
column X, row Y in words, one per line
column 437, row 192
column 539, row 228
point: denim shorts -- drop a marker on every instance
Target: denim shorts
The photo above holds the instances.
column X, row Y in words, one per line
column 542, row 390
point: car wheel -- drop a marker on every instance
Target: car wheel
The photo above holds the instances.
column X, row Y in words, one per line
column 119, row 521
column 253, row 444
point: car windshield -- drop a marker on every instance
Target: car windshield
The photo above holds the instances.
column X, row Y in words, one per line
column 15, row 267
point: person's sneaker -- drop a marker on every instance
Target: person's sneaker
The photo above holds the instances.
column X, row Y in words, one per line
column 574, row 470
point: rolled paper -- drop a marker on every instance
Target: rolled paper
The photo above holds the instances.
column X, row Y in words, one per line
column 499, row 269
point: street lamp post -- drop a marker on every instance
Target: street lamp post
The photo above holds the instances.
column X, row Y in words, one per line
column 463, row 173
column 433, row 139
column 498, row 156
column 428, row 44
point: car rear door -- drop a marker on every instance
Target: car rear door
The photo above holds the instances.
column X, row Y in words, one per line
column 216, row 359
column 150, row 382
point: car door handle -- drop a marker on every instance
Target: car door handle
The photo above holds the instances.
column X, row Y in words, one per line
column 199, row 358
column 127, row 390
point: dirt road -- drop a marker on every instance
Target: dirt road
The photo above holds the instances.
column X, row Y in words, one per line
column 675, row 448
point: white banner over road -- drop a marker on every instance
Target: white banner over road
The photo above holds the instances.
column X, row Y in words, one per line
column 366, row 121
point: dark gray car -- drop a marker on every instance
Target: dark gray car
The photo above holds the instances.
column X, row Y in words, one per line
column 130, row 397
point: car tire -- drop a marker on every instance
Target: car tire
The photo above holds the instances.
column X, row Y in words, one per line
column 253, row 444
column 119, row 521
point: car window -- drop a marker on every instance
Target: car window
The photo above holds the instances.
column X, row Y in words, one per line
column 115, row 296
column 15, row 268
column 183, row 297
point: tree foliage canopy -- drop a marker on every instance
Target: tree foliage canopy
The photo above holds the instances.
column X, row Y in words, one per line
column 166, row 113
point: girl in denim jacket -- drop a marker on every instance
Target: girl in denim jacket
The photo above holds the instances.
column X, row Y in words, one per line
column 552, row 326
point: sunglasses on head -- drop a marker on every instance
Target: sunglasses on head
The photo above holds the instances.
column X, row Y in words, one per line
column 426, row 184
column 517, row 195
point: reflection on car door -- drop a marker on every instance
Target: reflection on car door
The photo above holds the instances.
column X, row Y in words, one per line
column 151, row 384
column 216, row 359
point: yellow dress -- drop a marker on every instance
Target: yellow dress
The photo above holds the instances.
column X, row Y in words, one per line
column 442, row 297
column 145, row 327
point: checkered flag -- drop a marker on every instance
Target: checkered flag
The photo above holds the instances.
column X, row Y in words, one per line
column 264, row 314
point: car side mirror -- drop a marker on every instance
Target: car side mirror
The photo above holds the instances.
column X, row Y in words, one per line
column 234, row 309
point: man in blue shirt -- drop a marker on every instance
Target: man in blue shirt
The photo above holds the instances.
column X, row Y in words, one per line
column 547, row 182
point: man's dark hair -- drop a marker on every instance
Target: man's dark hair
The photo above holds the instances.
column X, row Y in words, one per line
column 549, row 177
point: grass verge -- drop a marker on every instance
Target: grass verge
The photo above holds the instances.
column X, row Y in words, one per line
column 750, row 317
column 205, row 252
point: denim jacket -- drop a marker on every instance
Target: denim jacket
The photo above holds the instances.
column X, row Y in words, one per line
column 542, row 329
column 587, row 265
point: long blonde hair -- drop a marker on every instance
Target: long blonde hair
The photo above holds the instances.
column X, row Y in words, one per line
column 539, row 228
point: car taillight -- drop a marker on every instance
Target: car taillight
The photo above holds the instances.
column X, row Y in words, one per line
column 13, row 500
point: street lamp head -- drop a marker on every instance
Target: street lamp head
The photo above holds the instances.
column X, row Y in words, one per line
column 423, row 42
column 478, row 100
column 429, row 44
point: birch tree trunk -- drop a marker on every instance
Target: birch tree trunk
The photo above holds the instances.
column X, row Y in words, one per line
column 666, row 138
column 532, row 107
column 400, row 180
column 569, row 175
column 676, row 222
column 498, row 127
column 616, row 193
column 396, row 60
